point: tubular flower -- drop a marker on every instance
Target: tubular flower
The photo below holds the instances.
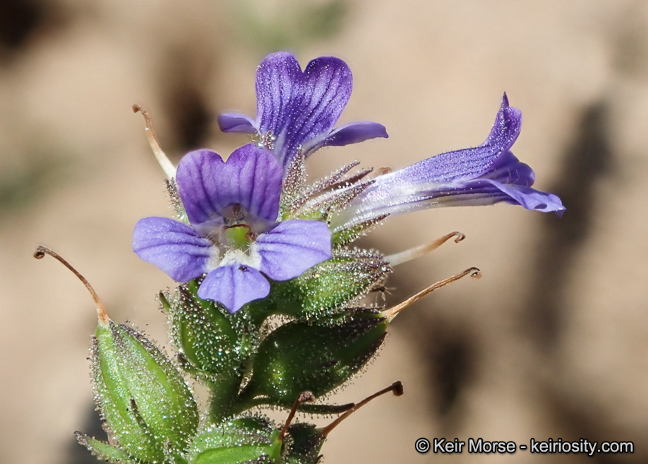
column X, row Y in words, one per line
column 296, row 110
column 482, row 175
column 233, row 236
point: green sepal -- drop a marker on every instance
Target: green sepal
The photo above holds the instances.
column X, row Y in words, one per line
column 242, row 440
column 330, row 286
column 104, row 451
column 343, row 236
column 213, row 345
column 148, row 408
column 299, row 356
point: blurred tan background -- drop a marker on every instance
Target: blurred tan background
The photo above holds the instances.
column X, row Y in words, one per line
column 551, row 342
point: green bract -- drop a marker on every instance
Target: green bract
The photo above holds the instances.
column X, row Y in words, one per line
column 319, row 357
column 245, row 439
column 149, row 412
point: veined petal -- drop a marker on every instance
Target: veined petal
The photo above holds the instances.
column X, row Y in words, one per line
column 172, row 246
column 296, row 107
column 235, row 122
column 292, row 247
column 467, row 163
column 234, row 286
column 354, row 132
column 250, row 177
column 482, row 175
column 530, row 198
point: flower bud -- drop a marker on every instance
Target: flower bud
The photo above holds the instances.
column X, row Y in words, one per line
column 298, row 357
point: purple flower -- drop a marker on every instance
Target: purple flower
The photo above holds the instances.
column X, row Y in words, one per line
column 482, row 175
column 297, row 110
column 234, row 235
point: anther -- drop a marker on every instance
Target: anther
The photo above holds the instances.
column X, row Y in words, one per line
column 304, row 397
column 417, row 252
column 396, row 388
column 391, row 313
column 162, row 159
column 40, row 253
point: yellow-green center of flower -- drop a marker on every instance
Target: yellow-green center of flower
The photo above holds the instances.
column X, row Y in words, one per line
column 238, row 237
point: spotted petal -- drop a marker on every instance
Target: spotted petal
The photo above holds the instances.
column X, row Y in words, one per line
column 292, row 247
column 233, row 286
column 172, row 246
column 208, row 185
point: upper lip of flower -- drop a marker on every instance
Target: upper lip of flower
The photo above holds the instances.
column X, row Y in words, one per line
column 245, row 191
column 297, row 110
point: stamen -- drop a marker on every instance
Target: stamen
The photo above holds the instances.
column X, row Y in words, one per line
column 304, row 397
column 162, row 159
column 40, row 253
column 396, row 388
column 391, row 313
column 417, row 252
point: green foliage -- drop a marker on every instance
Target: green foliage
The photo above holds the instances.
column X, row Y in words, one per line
column 300, row 357
column 148, row 409
column 330, row 286
column 245, row 439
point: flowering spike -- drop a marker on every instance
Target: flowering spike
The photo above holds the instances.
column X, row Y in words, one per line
column 391, row 313
column 40, row 253
column 416, row 252
column 162, row 159
column 396, row 388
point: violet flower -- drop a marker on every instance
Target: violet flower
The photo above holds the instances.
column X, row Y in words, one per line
column 482, row 175
column 234, row 235
column 297, row 110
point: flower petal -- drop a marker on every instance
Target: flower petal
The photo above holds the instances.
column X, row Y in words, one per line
column 233, row 286
column 292, row 247
column 172, row 246
column 482, row 175
column 251, row 177
column 235, row 122
column 296, row 107
column 354, row 132
column 467, row 163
